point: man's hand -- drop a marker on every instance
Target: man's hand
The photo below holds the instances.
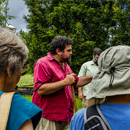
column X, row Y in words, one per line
column 70, row 79
column 80, row 95
column 49, row 88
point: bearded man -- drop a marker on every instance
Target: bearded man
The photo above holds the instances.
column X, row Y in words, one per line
column 52, row 85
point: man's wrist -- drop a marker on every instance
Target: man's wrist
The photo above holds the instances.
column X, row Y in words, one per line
column 79, row 89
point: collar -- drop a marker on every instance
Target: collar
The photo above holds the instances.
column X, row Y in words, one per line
column 51, row 58
column 92, row 63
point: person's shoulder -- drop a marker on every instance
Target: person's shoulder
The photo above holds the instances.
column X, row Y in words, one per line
column 23, row 109
column 46, row 59
column 77, row 120
column 24, row 105
column 87, row 63
column 42, row 59
column 1, row 93
column 79, row 114
column 18, row 100
column 81, row 111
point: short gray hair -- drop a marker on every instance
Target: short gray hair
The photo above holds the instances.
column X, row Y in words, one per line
column 13, row 51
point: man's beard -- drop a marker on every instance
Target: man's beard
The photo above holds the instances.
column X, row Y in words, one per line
column 95, row 61
column 68, row 60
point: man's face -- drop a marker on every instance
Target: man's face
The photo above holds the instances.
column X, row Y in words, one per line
column 95, row 59
column 67, row 53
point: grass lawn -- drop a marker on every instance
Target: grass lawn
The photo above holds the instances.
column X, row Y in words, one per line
column 28, row 97
column 28, row 79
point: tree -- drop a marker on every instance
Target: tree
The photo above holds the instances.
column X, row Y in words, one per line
column 4, row 17
column 87, row 22
column 120, row 33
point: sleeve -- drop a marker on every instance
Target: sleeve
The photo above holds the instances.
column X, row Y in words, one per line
column 21, row 111
column 83, row 70
column 77, row 121
column 76, row 80
column 42, row 74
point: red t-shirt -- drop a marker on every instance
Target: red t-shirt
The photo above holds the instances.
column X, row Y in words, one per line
column 59, row 105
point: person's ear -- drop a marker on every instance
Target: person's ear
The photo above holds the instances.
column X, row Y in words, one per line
column 58, row 51
column 8, row 71
column 93, row 56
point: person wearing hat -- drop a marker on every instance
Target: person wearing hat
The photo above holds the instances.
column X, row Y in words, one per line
column 110, row 88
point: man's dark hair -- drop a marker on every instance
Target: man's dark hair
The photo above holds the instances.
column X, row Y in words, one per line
column 97, row 51
column 60, row 42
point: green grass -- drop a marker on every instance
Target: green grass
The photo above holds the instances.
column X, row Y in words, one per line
column 78, row 102
column 28, row 97
column 28, row 79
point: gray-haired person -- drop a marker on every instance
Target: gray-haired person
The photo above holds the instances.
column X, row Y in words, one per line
column 88, row 68
column 23, row 115
column 110, row 88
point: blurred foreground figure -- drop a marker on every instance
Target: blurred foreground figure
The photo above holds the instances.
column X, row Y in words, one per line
column 23, row 115
column 110, row 88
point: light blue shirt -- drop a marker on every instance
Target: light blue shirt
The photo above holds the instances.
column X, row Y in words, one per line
column 117, row 115
column 88, row 68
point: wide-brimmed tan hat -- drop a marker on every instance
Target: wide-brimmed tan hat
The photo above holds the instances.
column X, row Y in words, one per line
column 113, row 77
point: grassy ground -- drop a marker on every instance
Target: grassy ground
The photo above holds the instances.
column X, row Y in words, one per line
column 28, row 97
column 28, row 79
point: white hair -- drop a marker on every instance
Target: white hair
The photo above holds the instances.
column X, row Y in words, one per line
column 13, row 51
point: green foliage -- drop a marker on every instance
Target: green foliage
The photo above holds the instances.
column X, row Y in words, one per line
column 121, row 31
column 90, row 23
column 4, row 17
